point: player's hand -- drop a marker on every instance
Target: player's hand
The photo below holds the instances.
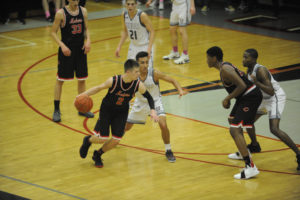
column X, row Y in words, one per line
column 148, row 3
column 226, row 103
column 65, row 50
column 193, row 10
column 86, row 47
column 182, row 92
column 253, row 78
column 154, row 116
column 117, row 52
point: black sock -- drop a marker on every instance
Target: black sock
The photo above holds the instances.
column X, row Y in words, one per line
column 247, row 160
column 101, row 152
column 56, row 105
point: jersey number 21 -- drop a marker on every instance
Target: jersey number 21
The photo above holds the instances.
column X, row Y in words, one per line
column 133, row 35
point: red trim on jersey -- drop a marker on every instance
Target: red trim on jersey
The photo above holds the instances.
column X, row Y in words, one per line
column 82, row 78
column 63, row 79
column 122, row 85
column 115, row 84
column 249, row 89
column 137, row 84
column 116, row 137
column 241, row 124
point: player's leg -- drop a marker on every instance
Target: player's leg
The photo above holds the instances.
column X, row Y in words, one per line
column 128, row 126
column 184, row 20
column 81, row 70
column 174, row 21
column 246, row 109
column 65, row 72
column 118, row 121
column 101, row 132
column 275, row 130
column 254, row 146
column 165, row 134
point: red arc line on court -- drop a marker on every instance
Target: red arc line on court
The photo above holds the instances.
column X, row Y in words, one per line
column 19, row 87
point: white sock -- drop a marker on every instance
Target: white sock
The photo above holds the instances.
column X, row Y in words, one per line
column 168, row 146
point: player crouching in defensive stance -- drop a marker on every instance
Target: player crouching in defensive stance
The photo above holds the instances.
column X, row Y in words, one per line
column 114, row 110
column 140, row 110
column 248, row 98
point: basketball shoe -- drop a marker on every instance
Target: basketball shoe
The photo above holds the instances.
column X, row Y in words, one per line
column 237, row 155
column 247, row 172
column 254, row 148
column 97, row 159
column 182, row 60
column 170, row 156
column 85, row 146
column 172, row 55
column 56, row 116
column 88, row 114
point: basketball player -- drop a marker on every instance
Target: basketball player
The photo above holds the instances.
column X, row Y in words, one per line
column 248, row 98
column 273, row 101
column 140, row 109
column 114, row 110
column 181, row 15
column 73, row 47
column 137, row 25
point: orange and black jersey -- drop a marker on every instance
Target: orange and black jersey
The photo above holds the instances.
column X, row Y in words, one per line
column 72, row 31
column 120, row 94
column 230, row 87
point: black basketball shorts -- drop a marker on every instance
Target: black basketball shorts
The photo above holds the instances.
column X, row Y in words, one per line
column 113, row 118
column 245, row 108
column 75, row 63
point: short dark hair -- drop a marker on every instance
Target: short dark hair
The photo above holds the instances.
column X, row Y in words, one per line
column 130, row 64
column 141, row 54
column 215, row 51
column 253, row 53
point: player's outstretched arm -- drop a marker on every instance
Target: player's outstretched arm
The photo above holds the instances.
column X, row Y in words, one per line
column 160, row 76
column 147, row 95
column 263, row 81
column 94, row 90
column 124, row 35
column 58, row 20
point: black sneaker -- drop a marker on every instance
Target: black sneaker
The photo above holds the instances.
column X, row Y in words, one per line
column 170, row 156
column 88, row 114
column 298, row 161
column 97, row 159
column 85, row 146
column 56, row 116
column 49, row 19
column 254, row 148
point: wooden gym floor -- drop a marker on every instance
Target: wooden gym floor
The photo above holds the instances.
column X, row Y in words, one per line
column 39, row 159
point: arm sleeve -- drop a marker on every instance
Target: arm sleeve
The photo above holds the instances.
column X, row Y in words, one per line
column 150, row 99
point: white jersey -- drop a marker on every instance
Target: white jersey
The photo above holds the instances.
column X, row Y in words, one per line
column 275, row 84
column 140, row 109
column 151, row 86
column 137, row 31
column 273, row 105
column 178, row 2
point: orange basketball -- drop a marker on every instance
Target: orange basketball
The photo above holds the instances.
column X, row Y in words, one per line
column 83, row 103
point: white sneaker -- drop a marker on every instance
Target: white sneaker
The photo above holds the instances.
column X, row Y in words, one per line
column 247, row 173
column 183, row 59
column 172, row 55
column 237, row 155
column 161, row 5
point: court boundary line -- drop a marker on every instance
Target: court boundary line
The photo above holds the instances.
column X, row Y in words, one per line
column 40, row 186
column 27, row 43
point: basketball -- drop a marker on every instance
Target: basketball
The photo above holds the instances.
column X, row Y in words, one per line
column 83, row 103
